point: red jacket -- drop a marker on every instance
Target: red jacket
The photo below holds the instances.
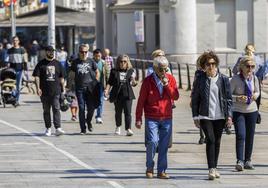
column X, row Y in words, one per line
column 156, row 107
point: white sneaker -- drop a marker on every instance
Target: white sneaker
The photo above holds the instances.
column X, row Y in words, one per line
column 48, row 132
column 129, row 132
column 99, row 120
column 117, row 131
column 59, row 132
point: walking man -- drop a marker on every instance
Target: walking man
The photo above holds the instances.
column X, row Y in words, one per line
column 86, row 87
column 49, row 77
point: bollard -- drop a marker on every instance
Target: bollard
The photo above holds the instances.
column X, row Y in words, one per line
column 179, row 76
column 230, row 72
column 188, row 77
column 143, row 69
column 137, row 70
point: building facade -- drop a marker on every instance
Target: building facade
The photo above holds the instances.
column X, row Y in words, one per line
column 183, row 28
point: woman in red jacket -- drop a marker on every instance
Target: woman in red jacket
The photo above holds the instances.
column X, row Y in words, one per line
column 156, row 95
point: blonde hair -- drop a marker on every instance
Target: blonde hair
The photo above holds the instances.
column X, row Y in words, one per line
column 157, row 52
column 249, row 49
column 119, row 59
column 244, row 60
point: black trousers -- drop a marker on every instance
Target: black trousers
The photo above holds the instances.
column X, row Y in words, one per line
column 213, row 131
column 54, row 103
column 120, row 105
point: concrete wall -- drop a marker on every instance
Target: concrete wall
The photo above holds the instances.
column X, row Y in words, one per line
column 205, row 25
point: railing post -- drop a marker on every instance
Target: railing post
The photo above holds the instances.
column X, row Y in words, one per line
column 137, row 70
column 188, row 77
column 179, row 76
column 143, row 69
column 230, row 72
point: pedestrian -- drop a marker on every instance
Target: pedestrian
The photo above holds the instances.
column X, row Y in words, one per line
column 120, row 82
column 245, row 91
column 49, row 78
column 102, row 77
column 62, row 57
column 70, row 94
column 260, row 64
column 199, row 70
column 108, row 60
column 34, row 54
column 16, row 58
column 156, row 95
column 86, row 87
column 2, row 55
column 211, row 107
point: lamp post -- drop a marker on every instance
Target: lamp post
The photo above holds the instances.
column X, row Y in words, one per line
column 13, row 19
column 51, row 23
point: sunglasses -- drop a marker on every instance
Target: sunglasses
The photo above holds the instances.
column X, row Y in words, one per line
column 211, row 64
column 250, row 66
column 123, row 61
column 83, row 52
column 160, row 69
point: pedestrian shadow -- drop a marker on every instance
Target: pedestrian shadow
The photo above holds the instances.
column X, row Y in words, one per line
column 115, row 143
column 87, row 134
column 32, row 102
column 126, row 151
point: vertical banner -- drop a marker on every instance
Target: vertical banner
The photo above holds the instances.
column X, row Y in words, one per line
column 139, row 25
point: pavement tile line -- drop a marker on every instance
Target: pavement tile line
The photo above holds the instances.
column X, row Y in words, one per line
column 65, row 153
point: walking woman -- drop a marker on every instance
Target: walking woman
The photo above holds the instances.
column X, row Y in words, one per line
column 245, row 92
column 211, row 107
column 121, row 80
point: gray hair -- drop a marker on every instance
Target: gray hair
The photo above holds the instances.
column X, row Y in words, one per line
column 160, row 61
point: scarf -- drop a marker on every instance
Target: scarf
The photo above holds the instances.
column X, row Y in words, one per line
column 248, row 88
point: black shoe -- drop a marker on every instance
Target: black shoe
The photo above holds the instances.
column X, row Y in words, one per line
column 201, row 140
column 90, row 128
column 228, row 131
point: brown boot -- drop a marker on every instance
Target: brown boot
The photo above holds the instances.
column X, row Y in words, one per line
column 162, row 175
column 150, row 174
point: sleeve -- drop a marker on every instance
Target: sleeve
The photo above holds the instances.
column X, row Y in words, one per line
column 94, row 65
column 111, row 79
column 195, row 98
column 228, row 97
column 172, row 88
column 141, row 100
column 233, row 86
column 256, row 92
column 36, row 72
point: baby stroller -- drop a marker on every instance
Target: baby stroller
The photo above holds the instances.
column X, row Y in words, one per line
column 8, row 86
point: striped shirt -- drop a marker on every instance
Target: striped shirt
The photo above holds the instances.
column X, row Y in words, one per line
column 16, row 58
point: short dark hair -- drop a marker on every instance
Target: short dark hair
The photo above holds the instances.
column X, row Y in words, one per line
column 97, row 51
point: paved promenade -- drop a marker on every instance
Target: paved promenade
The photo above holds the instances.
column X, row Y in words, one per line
column 101, row 159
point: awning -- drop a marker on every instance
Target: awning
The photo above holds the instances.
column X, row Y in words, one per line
column 79, row 19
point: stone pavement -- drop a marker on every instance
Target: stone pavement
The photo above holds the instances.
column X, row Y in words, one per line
column 101, row 159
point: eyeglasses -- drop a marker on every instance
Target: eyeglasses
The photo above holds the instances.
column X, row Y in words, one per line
column 83, row 52
column 160, row 69
column 211, row 64
column 250, row 66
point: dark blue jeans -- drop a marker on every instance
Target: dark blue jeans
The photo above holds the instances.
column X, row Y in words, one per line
column 84, row 98
column 244, row 124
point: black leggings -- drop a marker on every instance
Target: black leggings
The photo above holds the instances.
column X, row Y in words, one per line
column 213, row 131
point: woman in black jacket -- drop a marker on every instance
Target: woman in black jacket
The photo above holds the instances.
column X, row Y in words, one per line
column 121, row 80
column 211, row 107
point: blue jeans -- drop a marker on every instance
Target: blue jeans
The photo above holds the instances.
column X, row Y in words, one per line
column 18, row 84
column 157, row 133
column 245, row 124
column 100, row 107
column 84, row 98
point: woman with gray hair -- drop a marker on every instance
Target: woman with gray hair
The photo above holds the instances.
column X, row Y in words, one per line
column 245, row 91
column 121, row 80
column 157, row 92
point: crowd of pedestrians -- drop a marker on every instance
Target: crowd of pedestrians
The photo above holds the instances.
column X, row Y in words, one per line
column 86, row 80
